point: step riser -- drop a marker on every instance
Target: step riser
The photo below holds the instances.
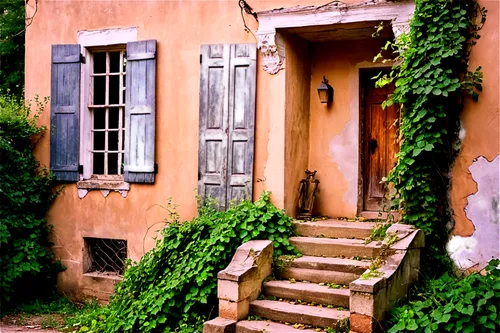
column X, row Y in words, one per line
column 310, row 230
column 288, row 317
column 329, row 267
column 334, row 250
column 308, row 296
column 317, row 276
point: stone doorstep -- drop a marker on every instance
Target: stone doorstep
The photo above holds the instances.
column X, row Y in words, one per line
column 328, row 247
column 259, row 326
column 334, row 229
column 318, row 276
column 309, row 292
column 331, row 264
column 297, row 313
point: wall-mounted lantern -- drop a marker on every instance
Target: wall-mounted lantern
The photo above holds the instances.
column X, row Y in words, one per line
column 325, row 91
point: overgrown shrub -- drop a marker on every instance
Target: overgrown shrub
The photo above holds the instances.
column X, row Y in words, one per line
column 451, row 304
column 174, row 286
column 431, row 77
column 26, row 265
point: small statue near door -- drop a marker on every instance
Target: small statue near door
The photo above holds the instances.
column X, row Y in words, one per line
column 307, row 195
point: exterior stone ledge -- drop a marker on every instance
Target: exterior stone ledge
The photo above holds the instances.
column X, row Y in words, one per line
column 219, row 325
column 105, row 186
column 241, row 281
column 371, row 298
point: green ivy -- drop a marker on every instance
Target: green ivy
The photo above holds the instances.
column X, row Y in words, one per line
column 430, row 79
column 174, row 286
column 26, row 267
column 451, row 304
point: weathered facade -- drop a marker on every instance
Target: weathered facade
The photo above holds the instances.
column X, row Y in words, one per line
column 281, row 118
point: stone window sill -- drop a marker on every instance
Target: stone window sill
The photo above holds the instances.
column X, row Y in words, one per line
column 104, row 275
column 105, row 186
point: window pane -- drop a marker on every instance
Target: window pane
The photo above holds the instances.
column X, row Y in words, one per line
column 98, row 164
column 112, row 164
column 99, row 118
column 113, row 140
column 99, row 140
column 99, row 62
column 123, row 140
column 123, row 164
column 99, row 90
column 114, row 62
column 114, row 116
column 114, row 89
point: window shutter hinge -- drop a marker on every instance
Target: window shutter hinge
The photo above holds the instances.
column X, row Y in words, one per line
column 201, row 58
column 156, row 169
column 82, row 58
column 80, row 169
column 199, row 175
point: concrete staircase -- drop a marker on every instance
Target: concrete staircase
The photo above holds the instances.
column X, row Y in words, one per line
column 312, row 291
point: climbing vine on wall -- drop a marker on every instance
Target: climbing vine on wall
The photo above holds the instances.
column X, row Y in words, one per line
column 431, row 77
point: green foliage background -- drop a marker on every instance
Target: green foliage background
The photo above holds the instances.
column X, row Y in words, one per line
column 431, row 78
column 174, row 286
column 26, row 267
column 12, row 37
column 451, row 304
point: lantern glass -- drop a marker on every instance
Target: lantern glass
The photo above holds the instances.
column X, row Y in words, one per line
column 325, row 91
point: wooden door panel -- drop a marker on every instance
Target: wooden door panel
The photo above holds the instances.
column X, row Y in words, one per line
column 379, row 143
column 212, row 151
column 227, row 122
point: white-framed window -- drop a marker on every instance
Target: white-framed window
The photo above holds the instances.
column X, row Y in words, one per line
column 102, row 136
column 106, row 107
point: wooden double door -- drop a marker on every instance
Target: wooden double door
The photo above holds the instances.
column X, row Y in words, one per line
column 227, row 122
column 379, row 139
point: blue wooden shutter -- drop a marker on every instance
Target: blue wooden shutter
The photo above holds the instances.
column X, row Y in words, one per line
column 65, row 112
column 140, row 112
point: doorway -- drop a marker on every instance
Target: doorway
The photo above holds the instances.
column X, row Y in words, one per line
column 378, row 139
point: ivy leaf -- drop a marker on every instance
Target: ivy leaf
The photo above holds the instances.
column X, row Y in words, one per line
column 436, row 91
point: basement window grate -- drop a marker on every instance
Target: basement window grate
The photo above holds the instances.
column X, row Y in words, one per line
column 103, row 255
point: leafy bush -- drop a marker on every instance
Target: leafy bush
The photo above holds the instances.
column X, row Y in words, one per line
column 451, row 304
column 174, row 286
column 26, row 265
column 431, row 75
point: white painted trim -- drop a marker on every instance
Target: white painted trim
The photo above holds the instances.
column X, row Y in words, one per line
column 105, row 37
column 273, row 54
column 88, row 39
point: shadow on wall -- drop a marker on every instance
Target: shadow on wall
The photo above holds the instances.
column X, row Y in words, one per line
column 483, row 209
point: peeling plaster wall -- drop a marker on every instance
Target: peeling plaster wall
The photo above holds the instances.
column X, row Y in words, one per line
column 334, row 128
column 483, row 210
column 475, row 174
column 480, row 121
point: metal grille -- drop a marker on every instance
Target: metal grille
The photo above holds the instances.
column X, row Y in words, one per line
column 105, row 255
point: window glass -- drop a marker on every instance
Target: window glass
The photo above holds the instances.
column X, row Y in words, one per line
column 108, row 123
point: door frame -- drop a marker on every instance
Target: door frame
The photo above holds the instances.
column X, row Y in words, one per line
column 362, row 77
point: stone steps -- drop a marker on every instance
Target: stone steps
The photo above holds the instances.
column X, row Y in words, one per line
column 326, row 246
column 318, row 276
column 260, row 326
column 297, row 313
column 332, row 228
column 307, row 292
column 331, row 264
column 331, row 247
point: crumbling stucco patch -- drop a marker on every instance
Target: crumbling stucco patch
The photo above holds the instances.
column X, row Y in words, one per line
column 343, row 150
column 483, row 209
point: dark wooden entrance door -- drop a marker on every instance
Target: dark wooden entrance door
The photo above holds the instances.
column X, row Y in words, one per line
column 379, row 140
column 227, row 122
